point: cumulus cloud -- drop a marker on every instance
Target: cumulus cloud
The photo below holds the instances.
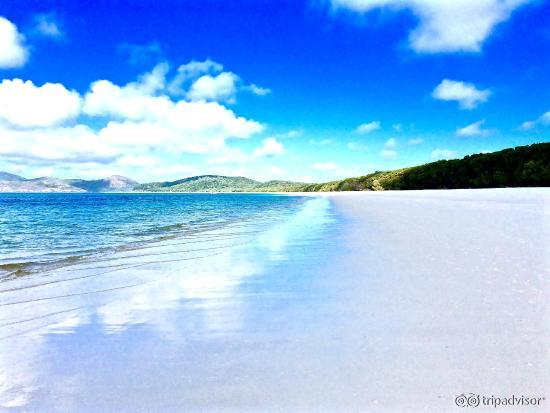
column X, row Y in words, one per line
column 369, row 127
column 390, row 143
column 270, row 147
column 78, row 144
column 257, row 90
column 438, row 154
column 136, row 100
column 207, row 80
column 47, row 25
column 13, row 52
column 324, row 166
column 142, row 123
column 474, row 129
column 466, row 94
column 543, row 119
column 219, row 88
column 24, row 105
column 415, row 141
column 444, row 25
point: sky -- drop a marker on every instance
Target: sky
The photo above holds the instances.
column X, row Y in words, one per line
column 305, row 90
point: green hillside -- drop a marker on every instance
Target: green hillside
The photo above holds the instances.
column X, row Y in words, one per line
column 216, row 183
column 522, row 166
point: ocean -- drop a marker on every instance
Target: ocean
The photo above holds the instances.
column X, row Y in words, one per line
column 44, row 231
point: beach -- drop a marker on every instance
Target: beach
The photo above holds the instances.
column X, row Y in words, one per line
column 453, row 296
column 351, row 302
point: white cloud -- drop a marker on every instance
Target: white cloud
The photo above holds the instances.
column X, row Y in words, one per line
column 415, row 141
column 474, row 129
column 444, row 25
column 207, row 80
column 438, row 154
column 141, row 161
column 190, row 71
column 138, row 104
column 528, row 125
column 257, row 90
column 390, row 143
column 365, row 128
column 143, row 125
column 47, row 25
column 397, row 127
column 24, row 105
column 324, row 166
column 466, row 94
column 13, row 52
column 219, row 88
column 127, row 102
column 388, row 153
column 270, row 147
column 543, row 119
column 77, row 144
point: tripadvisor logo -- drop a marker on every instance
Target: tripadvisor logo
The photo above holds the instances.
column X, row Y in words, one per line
column 475, row 400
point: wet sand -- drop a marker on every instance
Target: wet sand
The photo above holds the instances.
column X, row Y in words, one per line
column 378, row 302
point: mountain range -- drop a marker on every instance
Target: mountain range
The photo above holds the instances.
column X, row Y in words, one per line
column 15, row 183
column 521, row 166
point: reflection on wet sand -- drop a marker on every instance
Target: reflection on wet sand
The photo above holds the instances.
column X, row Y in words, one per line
column 97, row 325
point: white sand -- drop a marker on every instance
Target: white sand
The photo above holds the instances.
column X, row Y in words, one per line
column 451, row 292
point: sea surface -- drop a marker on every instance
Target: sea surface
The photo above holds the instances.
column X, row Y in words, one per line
column 141, row 302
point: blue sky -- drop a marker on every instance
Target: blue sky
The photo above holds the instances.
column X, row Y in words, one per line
column 305, row 90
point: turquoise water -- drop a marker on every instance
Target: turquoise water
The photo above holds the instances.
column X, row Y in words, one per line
column 143, row 302
column 39, row 231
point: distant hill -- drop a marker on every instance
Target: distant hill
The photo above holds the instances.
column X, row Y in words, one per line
column 14, row 183
column 523, row 166
column 217, row 183
column 7, row 177
column 115, row 183
column 44, row 184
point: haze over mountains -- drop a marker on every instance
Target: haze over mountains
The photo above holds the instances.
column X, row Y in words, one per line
column 14, row 183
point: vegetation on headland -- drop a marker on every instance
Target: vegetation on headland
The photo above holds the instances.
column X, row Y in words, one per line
column 216, row 183
column 523, row 166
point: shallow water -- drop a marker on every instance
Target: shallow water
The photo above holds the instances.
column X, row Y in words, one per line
column 152, row 302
